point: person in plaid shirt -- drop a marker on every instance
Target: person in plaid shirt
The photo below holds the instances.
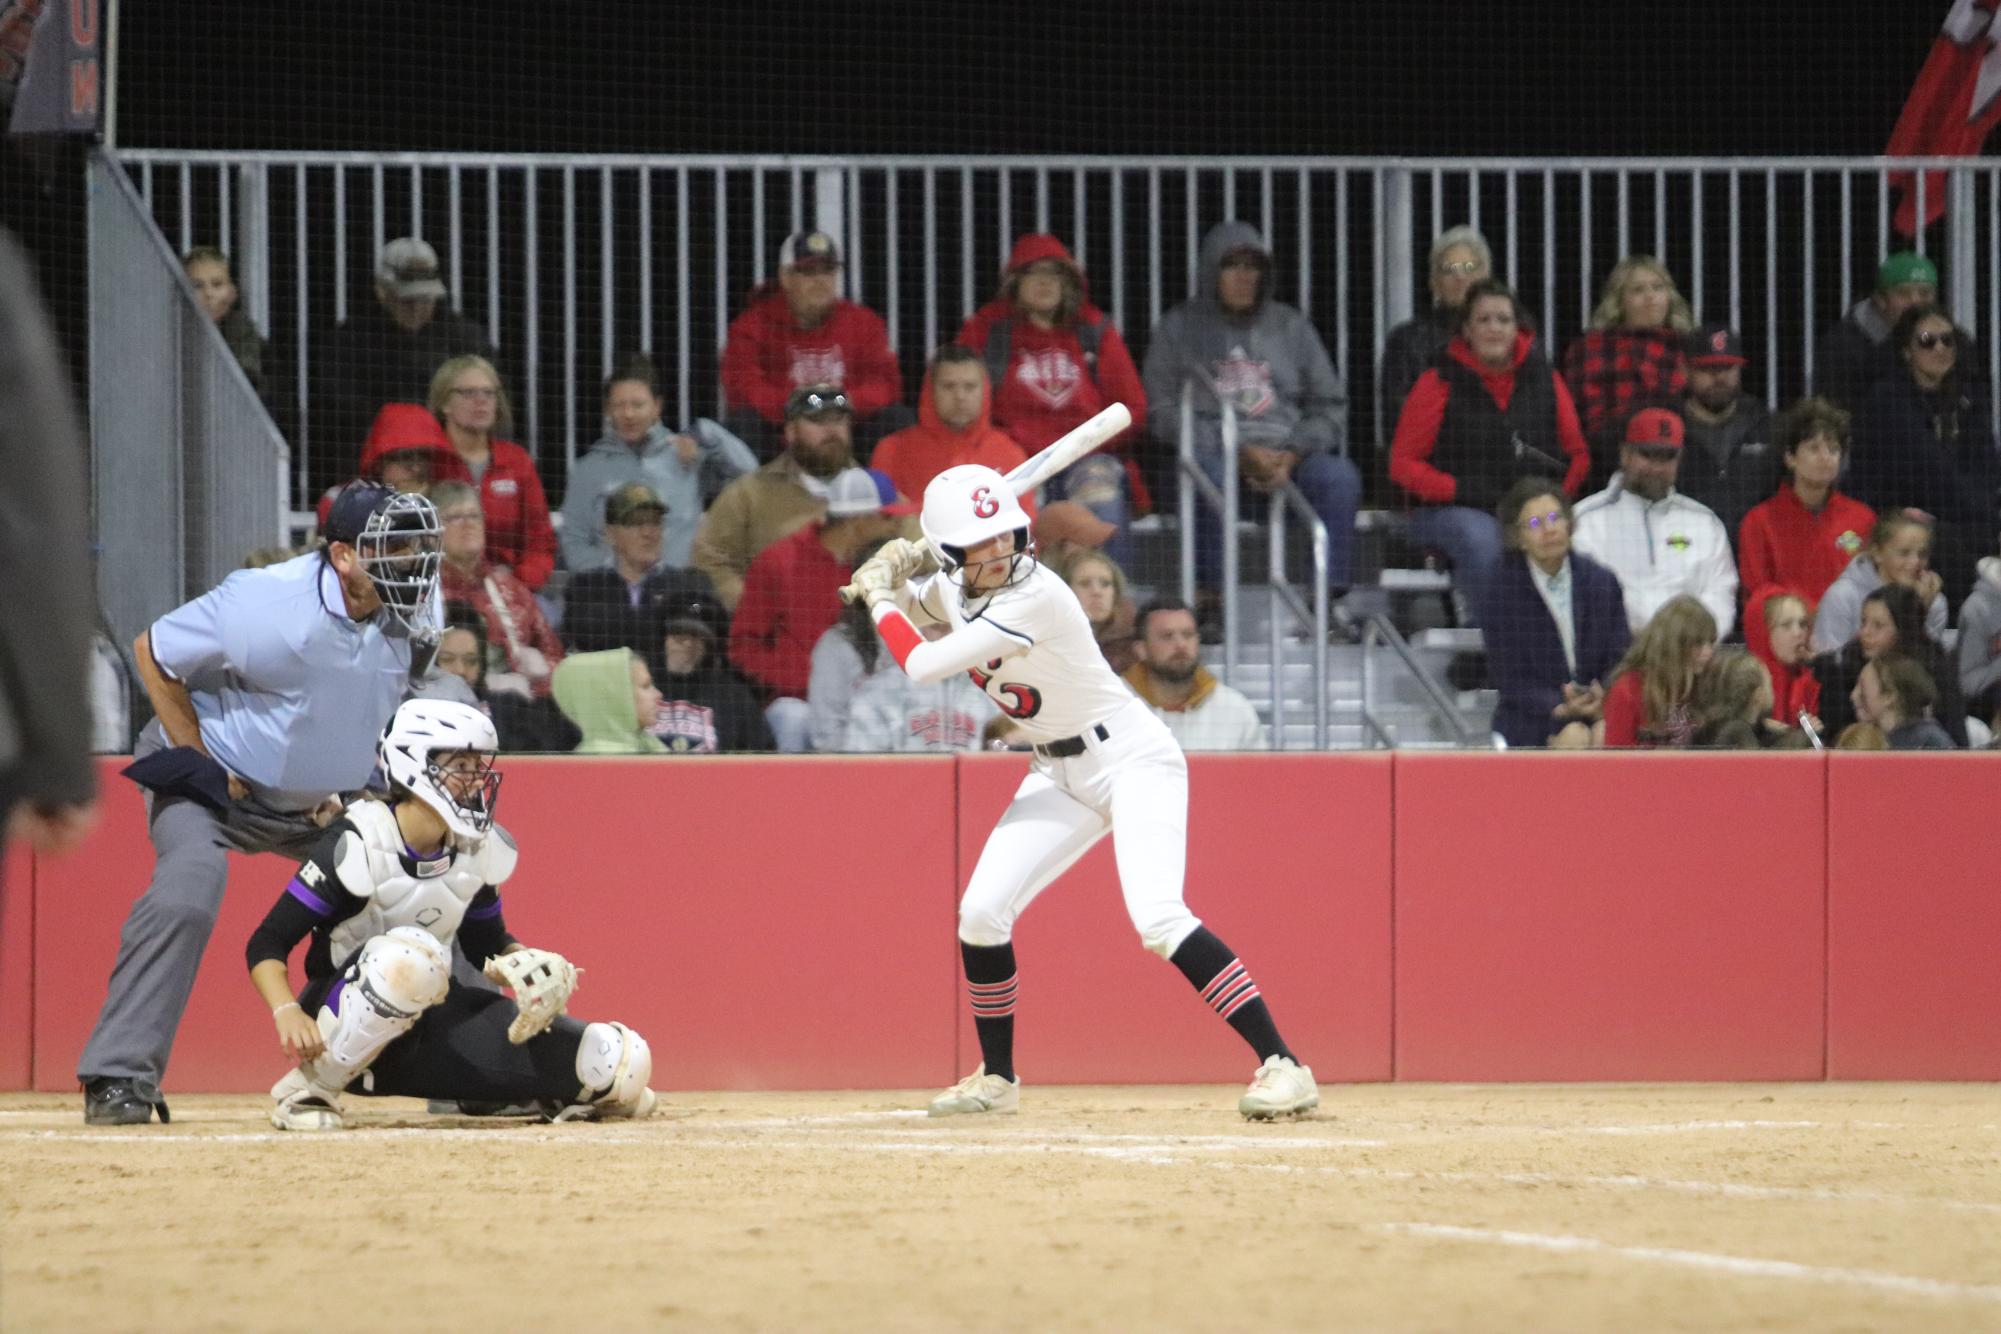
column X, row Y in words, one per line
column 1631, row 357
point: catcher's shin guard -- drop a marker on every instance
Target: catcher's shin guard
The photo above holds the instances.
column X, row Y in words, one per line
column 396, row 977
column 613, row 1064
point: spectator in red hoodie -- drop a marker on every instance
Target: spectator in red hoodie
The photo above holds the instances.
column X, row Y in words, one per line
column 792, row 594
column 1055, row 361
column 466, row 395
column 1489, row 413
column 1778, row 625
column 954, row 425
column 1805, row 536
column 406, row 449
column 804, row 332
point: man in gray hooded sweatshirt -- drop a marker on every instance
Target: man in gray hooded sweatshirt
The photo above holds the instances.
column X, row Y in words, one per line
column 1264, row 357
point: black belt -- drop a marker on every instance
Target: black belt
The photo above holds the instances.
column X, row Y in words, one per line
column 1071, row 745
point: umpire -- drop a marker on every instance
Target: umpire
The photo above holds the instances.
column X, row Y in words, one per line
column 269, row 693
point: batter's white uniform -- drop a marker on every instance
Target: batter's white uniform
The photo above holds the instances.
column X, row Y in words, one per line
column 1030, row 647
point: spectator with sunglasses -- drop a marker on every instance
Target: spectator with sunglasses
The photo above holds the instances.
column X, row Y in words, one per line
column 1658, row 541
column 781, row 497
column 1923, row 442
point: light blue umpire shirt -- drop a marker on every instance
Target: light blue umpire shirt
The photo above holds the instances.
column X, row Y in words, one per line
column 291, row 693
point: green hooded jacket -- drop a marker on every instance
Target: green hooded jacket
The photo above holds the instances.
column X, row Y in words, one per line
column 594, row 690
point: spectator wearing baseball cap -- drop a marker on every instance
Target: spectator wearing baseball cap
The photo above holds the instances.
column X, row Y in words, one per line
column 385, row 352
column 1729, row 463
column 762, row 506
column 1659, row 542
column 792, row 594
column 801, row 331
column 954, row 425
column 619, row 605
column 705, row 707
column 1855, row 353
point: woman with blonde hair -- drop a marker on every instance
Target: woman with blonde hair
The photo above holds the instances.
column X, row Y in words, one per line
column 1100, row 586
column 1650, row 702
column 469, row 400
column 1631, row 357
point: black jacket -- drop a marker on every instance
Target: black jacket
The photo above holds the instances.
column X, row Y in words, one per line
column 1838, row 671
column 600, row 613
column 1931, row 450
column 1731, row 467
column 47, row 605
column 371, row 360
column 708, row 710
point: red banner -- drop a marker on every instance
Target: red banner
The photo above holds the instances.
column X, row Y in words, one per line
column 1952, row 106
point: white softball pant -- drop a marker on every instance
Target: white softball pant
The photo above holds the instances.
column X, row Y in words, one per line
column 1134, row 784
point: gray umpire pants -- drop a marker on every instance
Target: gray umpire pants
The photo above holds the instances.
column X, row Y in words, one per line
column 160, row 949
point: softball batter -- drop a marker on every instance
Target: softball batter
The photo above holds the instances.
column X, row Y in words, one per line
column 1102, row 762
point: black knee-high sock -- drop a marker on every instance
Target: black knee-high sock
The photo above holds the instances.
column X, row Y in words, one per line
column 1228, row 988
column 991, row 983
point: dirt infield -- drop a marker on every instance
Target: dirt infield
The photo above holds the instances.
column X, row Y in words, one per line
column 1401, row 1207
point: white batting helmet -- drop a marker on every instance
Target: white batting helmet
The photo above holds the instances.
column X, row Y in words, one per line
column 422, row 730
column 967, row 505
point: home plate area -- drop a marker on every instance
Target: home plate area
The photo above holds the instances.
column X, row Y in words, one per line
column 1398, row 1206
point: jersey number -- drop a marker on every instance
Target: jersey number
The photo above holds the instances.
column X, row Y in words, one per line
column 984, row 504
column 1016, row 701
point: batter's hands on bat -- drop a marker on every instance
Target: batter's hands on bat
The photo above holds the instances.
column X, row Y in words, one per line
column 907, row 560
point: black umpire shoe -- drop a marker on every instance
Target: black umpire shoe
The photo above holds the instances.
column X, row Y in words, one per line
column 112, row 1100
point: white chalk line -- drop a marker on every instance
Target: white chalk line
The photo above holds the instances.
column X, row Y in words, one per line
column 1742, row 1265
column 1719, row 1189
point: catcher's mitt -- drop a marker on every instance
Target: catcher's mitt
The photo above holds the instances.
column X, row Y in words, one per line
column 541, row 981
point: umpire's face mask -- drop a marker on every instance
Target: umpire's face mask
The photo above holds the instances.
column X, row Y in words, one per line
column 399, row 549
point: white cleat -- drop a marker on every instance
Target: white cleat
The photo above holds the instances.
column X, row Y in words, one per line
column 302, row 1106
column 1280, row 1088
column 979, row 1092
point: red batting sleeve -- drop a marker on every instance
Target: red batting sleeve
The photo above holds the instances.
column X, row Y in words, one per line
column 1570, row 434
column 1416, row 436
column 897, row 632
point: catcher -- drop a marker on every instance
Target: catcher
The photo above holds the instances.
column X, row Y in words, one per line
column 388, row 888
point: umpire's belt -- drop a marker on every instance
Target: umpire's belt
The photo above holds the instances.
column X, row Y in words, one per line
column 1071, row 745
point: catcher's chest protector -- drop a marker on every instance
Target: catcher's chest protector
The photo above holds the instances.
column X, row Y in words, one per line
column 400, row 891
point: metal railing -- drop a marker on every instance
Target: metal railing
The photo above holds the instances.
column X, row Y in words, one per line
column 568, row 259
column 188, row 474
column 1380, row 630
column 1287, row 607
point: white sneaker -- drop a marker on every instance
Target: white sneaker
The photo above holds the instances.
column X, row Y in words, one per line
column 1279, row 1088
column 979, row 1092
column 302, row 1106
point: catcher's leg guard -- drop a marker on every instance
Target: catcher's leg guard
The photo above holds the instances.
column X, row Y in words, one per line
column 396, row 977
column 613, row 1064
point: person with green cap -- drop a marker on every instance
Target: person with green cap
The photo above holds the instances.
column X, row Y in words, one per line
column 1856, row 352
column 611, row 698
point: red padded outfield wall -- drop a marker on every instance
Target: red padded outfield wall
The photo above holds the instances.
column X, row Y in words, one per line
column 789, row 923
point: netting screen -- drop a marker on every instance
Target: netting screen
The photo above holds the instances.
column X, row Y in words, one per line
column 1361, row 275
